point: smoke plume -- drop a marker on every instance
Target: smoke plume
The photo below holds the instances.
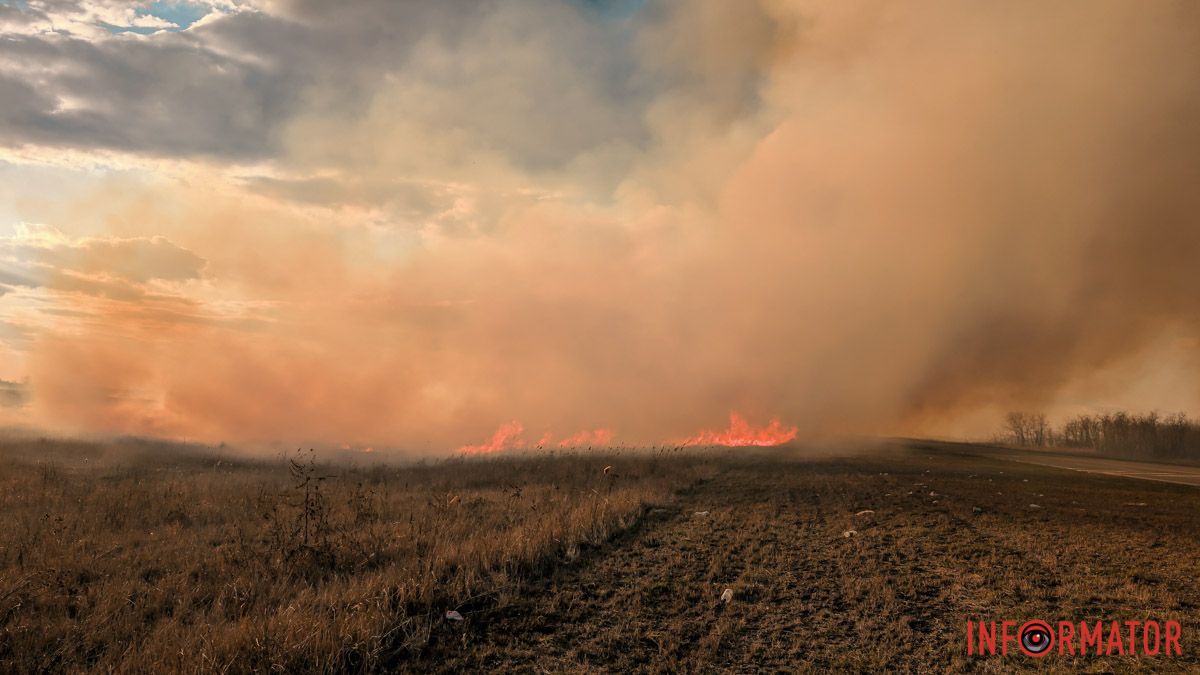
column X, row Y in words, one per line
column 866, row 217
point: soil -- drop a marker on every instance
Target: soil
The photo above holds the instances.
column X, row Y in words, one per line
column 859, row 564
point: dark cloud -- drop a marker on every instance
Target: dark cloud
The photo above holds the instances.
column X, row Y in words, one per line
column 163, row 96
column 12, row 16
column 228, row 86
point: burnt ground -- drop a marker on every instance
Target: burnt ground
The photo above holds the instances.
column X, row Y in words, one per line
column 952, row 537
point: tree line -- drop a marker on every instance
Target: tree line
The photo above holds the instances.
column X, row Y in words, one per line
column 1119, row 434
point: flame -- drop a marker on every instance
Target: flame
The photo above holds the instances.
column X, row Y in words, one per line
column 593, row 437
column 509, row 436
column 740, row 434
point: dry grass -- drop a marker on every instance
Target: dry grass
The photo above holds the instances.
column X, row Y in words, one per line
column 156, row 559
column 149, row 559
column 895, row 597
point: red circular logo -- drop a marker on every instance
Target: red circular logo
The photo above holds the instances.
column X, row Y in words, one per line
column 1035, row 638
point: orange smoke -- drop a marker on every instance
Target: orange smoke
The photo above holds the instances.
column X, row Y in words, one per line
column 740, row 434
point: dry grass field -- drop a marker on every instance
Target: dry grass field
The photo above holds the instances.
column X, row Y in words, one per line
column 145, row 559
column 150, row 560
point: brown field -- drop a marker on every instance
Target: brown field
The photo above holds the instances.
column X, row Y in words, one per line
column 140, row 558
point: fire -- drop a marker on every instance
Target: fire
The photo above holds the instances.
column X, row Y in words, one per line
column 509, row 436
column 740, row 434
column 593, row 437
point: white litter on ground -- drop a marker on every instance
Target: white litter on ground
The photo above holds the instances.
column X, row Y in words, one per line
column 1035, row 506
column 865, row 512
column 452, row 615
column 700, row 513
column 727, row 595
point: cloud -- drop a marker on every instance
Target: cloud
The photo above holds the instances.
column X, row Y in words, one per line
column 229, row 86
column 37, row 251
column 401, row 199
column 12, row 394
column 169, row 96
column 97, row 18
column 15, row 335
column 15, row 19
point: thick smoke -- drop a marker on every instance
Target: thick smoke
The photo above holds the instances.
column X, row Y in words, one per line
column 856, row 217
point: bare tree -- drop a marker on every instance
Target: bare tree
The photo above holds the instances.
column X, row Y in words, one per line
column 1017, row 427
column 1039, row 431
column 1029, row 429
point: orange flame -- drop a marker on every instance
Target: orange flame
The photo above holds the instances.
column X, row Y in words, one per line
column 509, row 436
column 740, row 434
column 593, row 437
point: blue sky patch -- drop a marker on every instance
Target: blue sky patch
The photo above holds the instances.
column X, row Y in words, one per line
column 182, row 14
column 611, row 9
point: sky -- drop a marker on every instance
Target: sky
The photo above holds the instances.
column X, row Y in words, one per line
column 422, row 224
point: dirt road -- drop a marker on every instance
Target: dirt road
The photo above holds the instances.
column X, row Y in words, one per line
column 1167, row 473
column 939, row 539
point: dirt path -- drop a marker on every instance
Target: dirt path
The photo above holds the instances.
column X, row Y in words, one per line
column 950, row 538
column 1165, row 473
